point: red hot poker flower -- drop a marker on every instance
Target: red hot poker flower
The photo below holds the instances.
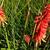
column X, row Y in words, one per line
column 41, row 34
column 27, row 39
column 2, row 17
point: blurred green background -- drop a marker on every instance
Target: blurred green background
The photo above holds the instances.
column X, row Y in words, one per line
column 20, row 21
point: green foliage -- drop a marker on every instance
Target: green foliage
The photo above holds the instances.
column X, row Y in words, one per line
column 11, row 35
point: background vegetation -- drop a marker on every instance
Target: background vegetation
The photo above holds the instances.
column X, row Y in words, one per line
column 20, row 20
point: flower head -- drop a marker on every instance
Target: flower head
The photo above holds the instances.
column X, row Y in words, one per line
column 2, row 17
column 27, row 39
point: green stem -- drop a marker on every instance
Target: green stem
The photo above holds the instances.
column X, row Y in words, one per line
column 2, row 3
column 13, row 37
column 12, row 19
column 7, row 41
column 27, row 18
column 34, row 31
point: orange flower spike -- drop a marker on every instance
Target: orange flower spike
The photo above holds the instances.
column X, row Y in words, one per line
column 2, row 17
column 27, row 39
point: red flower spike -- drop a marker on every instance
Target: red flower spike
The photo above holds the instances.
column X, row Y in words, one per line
column 42, row 28
column 2, row 17
column 41, row 34
column 27, row 39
